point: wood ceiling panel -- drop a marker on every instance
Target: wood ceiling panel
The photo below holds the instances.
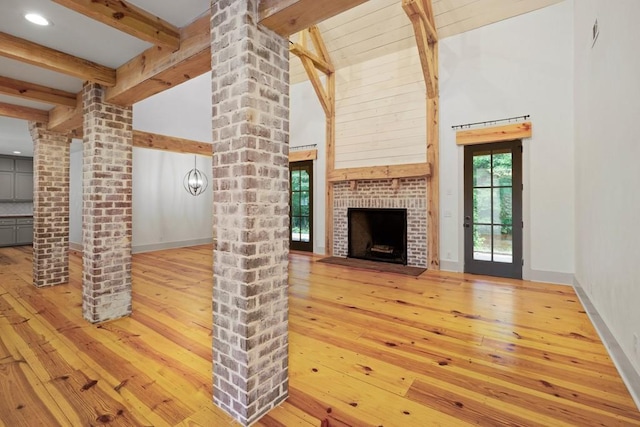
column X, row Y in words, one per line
column 380, row 27
column 468, row 15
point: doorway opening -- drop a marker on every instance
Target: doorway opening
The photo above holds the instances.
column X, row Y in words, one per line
column 301, row 206
column 493, row 209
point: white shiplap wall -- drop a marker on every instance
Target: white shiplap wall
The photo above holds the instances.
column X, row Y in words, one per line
column 381, row 111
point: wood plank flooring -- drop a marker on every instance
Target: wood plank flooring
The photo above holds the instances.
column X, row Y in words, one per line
column 366, row 349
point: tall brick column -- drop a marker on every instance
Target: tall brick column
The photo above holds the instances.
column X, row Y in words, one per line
column 106, row 207
column 50, row 206
column 250, row 82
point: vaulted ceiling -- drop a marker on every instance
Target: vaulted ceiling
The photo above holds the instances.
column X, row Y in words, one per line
column 361, row 33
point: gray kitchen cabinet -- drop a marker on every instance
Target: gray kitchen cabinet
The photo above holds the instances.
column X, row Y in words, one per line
column 16, row 231
column 7, row 185
column 16, row 179
column 7, row 231
column 7, row 235
column 24, row 165
column 24, row 231
column 6, row 164
column 23, row 185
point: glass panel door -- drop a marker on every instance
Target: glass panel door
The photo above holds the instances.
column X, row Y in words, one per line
column 301, row 206
column 493, row 209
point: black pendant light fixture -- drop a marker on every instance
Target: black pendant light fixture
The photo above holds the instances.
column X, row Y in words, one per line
column 195, row 181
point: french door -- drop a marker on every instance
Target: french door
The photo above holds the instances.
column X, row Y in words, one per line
column 301, row 206
column 493, row 209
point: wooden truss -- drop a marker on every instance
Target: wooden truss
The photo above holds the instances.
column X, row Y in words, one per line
column 420, row 12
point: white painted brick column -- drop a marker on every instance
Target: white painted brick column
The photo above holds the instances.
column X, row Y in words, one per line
column 106, row 207
column 250, row 82
column 50, row 206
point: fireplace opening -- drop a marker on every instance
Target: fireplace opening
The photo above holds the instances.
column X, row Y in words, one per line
column 378, row 234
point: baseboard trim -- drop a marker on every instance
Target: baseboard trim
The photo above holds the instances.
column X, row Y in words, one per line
column 453, row 266
column 170, row 245
column 549, row 277
column 629, row 375
column 154, row 246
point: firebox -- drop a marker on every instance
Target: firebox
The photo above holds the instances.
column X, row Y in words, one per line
column 378, row 234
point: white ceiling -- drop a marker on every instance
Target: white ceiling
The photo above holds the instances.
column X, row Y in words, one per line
column 77, row 35
column 372, row 29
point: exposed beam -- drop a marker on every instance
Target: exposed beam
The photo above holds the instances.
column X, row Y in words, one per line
column 66, row 119
column 433, row 158
column 34, row 92
column 25, row 113
column 158, row 69
column 170, row 143
column 318, row 62
column 44, row 57
column 494, row 134
column 302, row 155
column 313, row 63
column 129, row 19
column 316, row 83
column 327, row 96
column 433, row 183
column 330, row 153
column 420, row 23
column 420, row 13
column 410, row 170
column 318, row 43
column 287, row 17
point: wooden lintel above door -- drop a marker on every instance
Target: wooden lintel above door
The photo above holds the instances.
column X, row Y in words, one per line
column 494, row 134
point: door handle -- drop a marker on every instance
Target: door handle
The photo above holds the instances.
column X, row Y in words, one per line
column 466, row 225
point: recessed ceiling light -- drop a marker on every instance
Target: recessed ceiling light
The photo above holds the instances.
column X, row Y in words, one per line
column 37, row 19
column 17, row 152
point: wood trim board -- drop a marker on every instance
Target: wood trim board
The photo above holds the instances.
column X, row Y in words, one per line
column 494, row 134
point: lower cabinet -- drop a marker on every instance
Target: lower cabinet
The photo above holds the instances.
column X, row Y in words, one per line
column 16, row 231
column 7, row 235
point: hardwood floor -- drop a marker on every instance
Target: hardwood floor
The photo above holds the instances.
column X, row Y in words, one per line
column 365, row 349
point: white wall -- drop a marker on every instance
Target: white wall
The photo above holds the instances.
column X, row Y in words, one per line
column 511, row 68
column 183, row 111
column 607, row 99
column 164, row 214
column 308, row 126
column 381, row 111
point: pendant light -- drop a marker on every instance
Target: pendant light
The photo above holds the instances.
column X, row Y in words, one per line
column 195, row 181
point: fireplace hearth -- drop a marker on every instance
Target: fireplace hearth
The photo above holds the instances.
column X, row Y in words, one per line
column 378, row 234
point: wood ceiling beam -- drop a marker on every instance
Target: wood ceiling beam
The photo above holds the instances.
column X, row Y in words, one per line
column 170, row 143
column 287, row 17
column 424, row 42
column 129, row 19
column 158, row 68
column 34, row 92
column 24, row 113
column 66, row 119
column 317, row 62
column 313, row 63
column 420, row 13
column 44, row 57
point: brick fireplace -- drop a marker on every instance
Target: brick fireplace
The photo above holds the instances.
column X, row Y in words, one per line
column 409, row 194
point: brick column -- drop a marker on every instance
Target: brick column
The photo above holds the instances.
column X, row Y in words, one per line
column 106, row 207
column 50, row 206
column 250, row 82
